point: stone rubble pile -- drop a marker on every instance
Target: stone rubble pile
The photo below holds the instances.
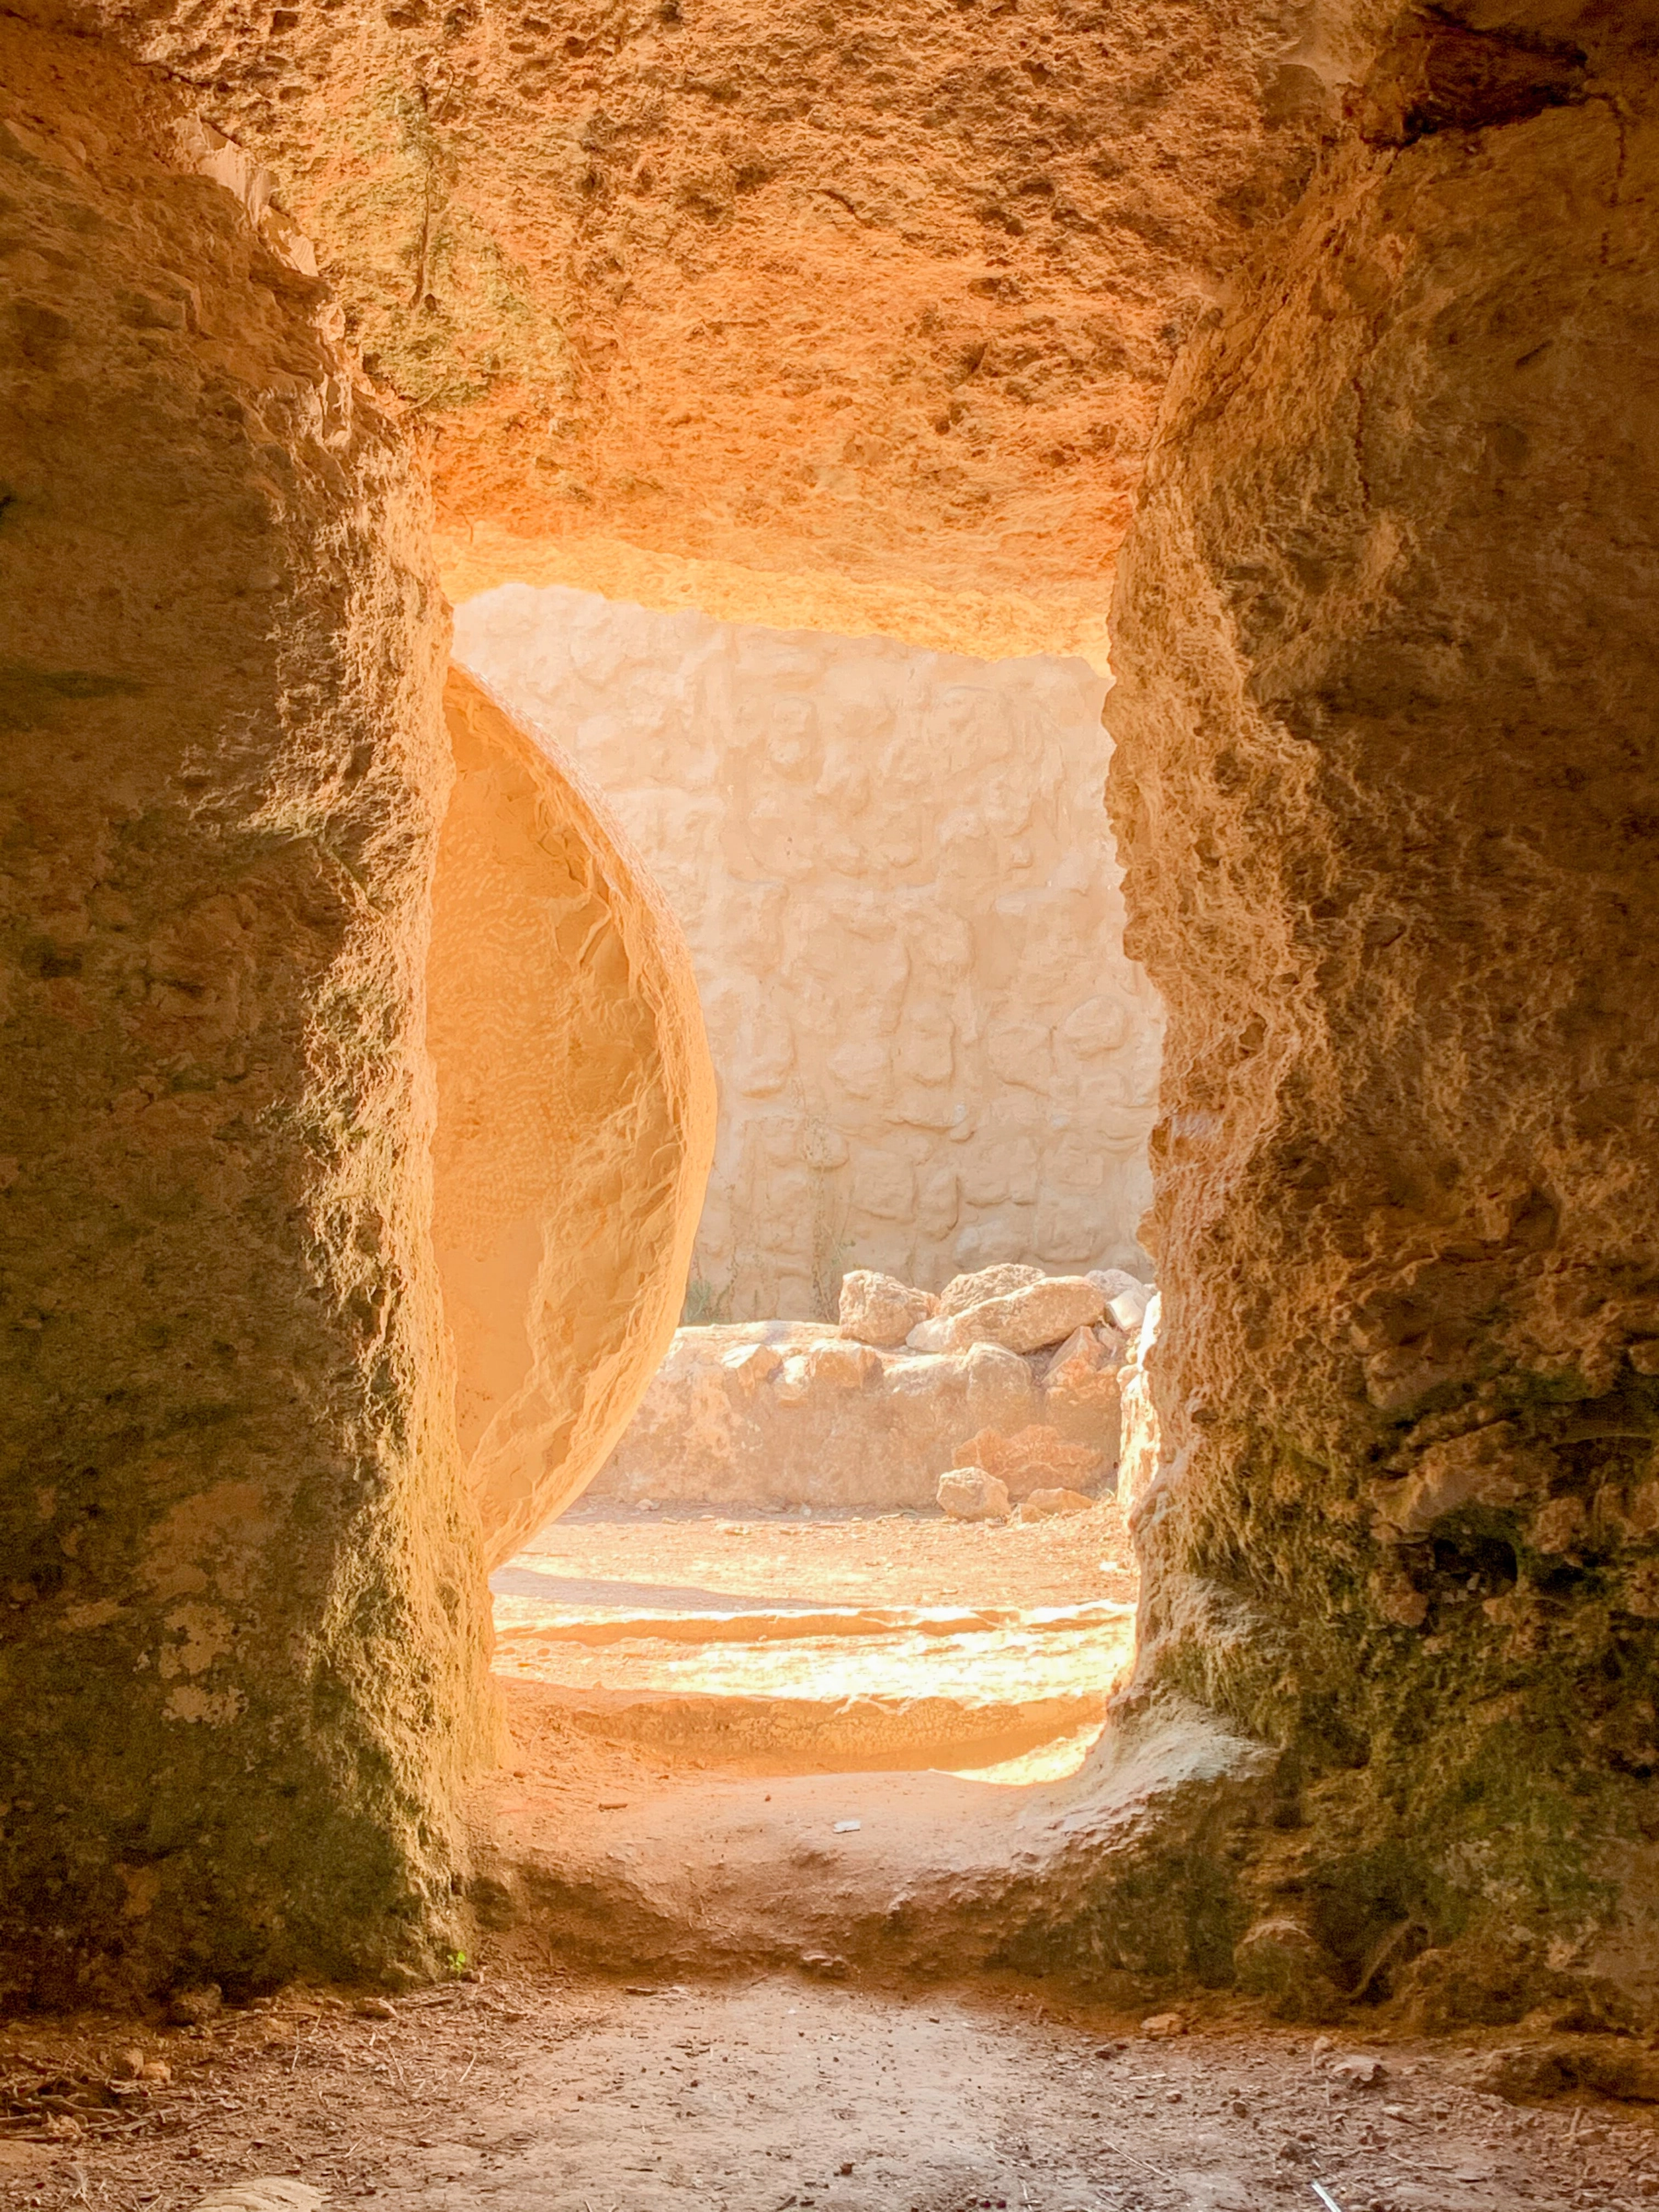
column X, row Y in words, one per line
column 1000, row 1395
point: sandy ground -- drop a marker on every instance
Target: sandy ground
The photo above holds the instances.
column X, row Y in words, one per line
column 790, row 1644
column 674, row 1804
column 524, row 2084
column 1005, row 1669
column 757, row 2096
column 670, row 1560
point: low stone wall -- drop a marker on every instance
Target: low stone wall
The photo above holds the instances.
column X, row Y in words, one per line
column 791, row 1414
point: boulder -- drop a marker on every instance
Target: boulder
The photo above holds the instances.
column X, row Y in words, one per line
column 930, row 1335
column 1000, row 1392
column 965, row 1290
column 845, row 1366
column 1030, row 1318
column 779, row 1415
column 969, row 1493
column 1081, row 1390
column 1036, row 1458
column 752, row 1365
column 1050, row 1505
column 560, row 998
column 877, row 1308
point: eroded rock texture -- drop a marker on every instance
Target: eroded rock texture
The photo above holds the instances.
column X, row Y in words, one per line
column 901, row 897
column 1385, row 781
column 575, row 1119
column 884, row 294
column 243, row 1629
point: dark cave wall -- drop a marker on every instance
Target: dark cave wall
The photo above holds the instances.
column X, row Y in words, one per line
column 1387, row 787
column 242, row 1628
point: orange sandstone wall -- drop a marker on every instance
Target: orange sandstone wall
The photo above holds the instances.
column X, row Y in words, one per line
column 1385, row 786
column 242, row 1628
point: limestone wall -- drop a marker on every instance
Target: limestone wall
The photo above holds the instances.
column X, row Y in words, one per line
column 242, row 1638
column 1387, row 786
column 895, row 872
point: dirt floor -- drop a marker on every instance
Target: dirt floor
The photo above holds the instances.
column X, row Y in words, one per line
column 836, row 1643
column 770, row 1741
column 755, row 2065
column 755, row 2096
column 674, row 1558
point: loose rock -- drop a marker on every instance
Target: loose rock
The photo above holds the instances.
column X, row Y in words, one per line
column 1128, row 1308
column 267, row 2192
column 1029, row 1320
column 879, row 1309
column 1278, row 1959
column 1046, row 1504
column 969, row 1493
column 1082, row 1355
column 195, row 2008
column 1359, row 2071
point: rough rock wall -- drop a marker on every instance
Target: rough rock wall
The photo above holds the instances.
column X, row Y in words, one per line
column 1385, row 782
column 243, row 1636
column 575, row 1120
column 932, row 261
column 901, row 896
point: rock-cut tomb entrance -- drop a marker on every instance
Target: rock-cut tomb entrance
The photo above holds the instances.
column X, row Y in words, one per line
column 360, row 1114
column 867, row 1518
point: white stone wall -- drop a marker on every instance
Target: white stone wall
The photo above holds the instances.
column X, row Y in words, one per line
column 895, row 875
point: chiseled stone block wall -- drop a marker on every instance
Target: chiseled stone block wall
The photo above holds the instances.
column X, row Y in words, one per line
column 896, row 874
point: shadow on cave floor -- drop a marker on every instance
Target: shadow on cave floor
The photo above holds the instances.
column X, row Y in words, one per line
column 532, row 2088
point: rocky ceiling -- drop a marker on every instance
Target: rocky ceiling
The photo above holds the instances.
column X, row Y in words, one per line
column 794, row 309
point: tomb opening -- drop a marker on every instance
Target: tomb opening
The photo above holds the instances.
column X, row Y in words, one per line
column 1322, row 344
